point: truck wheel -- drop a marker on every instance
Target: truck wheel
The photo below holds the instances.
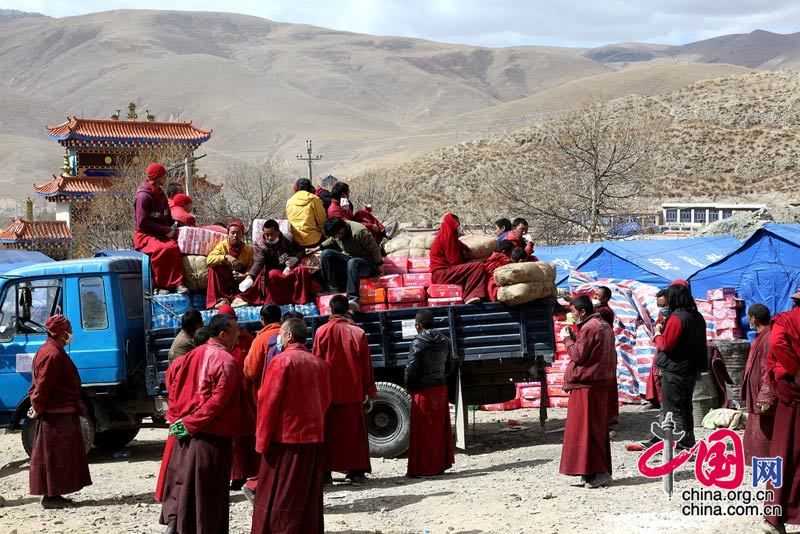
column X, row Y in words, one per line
column 29, row 431
column 389, row 421
column 115, row 439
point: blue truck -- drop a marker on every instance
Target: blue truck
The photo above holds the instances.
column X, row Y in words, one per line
column 121, row 351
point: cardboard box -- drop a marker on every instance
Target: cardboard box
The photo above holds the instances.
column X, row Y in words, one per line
column 556, row 391
column 323, row 303
column 704, row 306
column 198, row 241
column 391, row 280
column 406, row 305
column 406, row 294
column 729, row 302
column 558, row 402
column 395, row 265
column 501, row 406
column 726, row 324
column 366, row 308
column 555, row 379
column 372, row 295
column 417, row 279
column 442, row 291
column 725, row 313
column 419, row 265
column 453, row 301
column 530, row 403
column 720, row 293
column 730, row 333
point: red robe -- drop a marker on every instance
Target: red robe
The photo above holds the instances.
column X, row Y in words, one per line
column 492, row 263
column 58, row 459
column 292, row 402
column 521, row 243
column 448, row 264
column 613, row 399
column 363, row 216
column 345, row 348
column 586, row 447
column 205, row 394
column 153, row 223
column 653, row 393
column 756, row 389
column 430, row 423
column 245, row 460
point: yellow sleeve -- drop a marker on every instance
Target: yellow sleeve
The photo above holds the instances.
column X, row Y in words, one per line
column 319, row 213
column 217, row 256
column 246, row 258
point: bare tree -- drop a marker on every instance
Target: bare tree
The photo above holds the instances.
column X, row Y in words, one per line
column 593, row 164
column 378, row 187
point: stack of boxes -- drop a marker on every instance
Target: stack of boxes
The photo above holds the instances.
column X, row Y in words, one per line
column 725, row 310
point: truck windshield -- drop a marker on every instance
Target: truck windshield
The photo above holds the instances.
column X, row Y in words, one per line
column 27, row 305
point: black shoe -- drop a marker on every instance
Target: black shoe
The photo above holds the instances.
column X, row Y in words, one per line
column 327, row 480
column 249, row 494
column 236, row 485
column 56, row 503
column 171, row 528
column 683, row 446
column 598, row 480
column 356, row 479
column 650, row 442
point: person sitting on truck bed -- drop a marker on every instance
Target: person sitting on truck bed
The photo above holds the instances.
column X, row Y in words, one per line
column 184, row 341
column 430, row 360
column 154, row 233
column 276, row 272
column 344, row 347
column 349, row 254
column 173, row 188
column 58, row 458
column 519, row 228
column 501, row 256
column 227, row 265
column 592, row 367
column 501, row 229
column 448, row 263
column 290, row 436
column 205, row 412
column 306, row 214
column 342, row 208
column 181, row 210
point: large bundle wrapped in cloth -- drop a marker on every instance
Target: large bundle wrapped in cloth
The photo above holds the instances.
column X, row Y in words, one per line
column 525, row 292
column 410, row 245
column 195, row 273
column 525, row 273
column 480, row 246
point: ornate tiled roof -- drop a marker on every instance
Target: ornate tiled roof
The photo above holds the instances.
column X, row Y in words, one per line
column 132, row 131
column 73, row 186
column 21, row 230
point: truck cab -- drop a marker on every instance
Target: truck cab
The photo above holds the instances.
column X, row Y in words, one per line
column 103, row 298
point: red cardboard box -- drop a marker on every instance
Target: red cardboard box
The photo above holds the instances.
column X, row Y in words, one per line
column 446, row 301
column 391, row 280
column 556, row 391
column 704, row 306
column 501, row 406
column 559, row 402
column 323, row 303
column 559, row 365
column 419, row 265
column 417, row 279
column 729, row 333
column 725, row 313
column 729, row 302
column 443, row 291
column 372, row 295
column 529, row 392
column 530, row 403
column 370, row 283
column 365, row 308
column 556, row 379
column 406, row 305
column 395, row 265
column 726, row 324
column 720, row 293
column 406, row 294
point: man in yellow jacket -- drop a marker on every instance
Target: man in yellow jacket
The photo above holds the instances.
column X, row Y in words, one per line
column 228, row 264
column 306, row 214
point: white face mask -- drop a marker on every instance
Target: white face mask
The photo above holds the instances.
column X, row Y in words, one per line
column 344, row 202
column 272, row 241
column 595, row 303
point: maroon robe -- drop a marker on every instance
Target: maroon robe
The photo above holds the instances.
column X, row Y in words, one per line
column 294, row 396
column 345, row 348
column 586, row 448
column 246, row 460
column 756, row 389
column 294, row 287
column 608, row 316
column 153, row 223
column 58, row 459
column 448, row 264
column 206, row 396
column 430, row 448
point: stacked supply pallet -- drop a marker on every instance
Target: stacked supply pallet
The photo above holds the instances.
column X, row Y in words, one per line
column 726, row 310
column 557, row 397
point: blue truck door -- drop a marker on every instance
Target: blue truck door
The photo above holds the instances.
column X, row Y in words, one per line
column 97, row 348
column 25, row 307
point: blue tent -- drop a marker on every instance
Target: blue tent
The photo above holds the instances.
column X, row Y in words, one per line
column 11, row 259
column 656, row 261
column 764, row 269
column 566, row 258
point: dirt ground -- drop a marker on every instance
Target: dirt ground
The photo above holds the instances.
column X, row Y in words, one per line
column 506, row 482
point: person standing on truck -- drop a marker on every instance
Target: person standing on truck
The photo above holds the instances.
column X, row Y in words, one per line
column 290, row 435
column 449, row 265
column 430, row 360
column 349, row 254
column 227, row 265
column 306, row 214
column 184, row 341
column 344, row 347
column 155, row 233
column 58, row 458
column 586, row 449
column 205, row 411
column 519, row 229
column 280, row 277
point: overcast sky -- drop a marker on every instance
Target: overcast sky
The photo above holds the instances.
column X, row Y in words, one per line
column 490, row 22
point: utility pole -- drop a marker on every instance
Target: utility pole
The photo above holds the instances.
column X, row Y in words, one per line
column 309, row 159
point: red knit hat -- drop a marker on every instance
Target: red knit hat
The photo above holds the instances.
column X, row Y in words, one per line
column 155, row 171
column 683, row 283
column 227, row 309
column 181, row 200
column 57, row 325
column 236, row 223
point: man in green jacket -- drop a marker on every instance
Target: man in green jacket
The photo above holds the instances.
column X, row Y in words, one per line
column 349, row 254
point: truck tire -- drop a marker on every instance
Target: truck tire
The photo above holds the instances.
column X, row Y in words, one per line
column 389, row 421
column 29, row 431
column 115, row 439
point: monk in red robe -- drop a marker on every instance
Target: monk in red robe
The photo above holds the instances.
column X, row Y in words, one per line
column 430, row 360
column 592, row 367
column 205, row 404
column 256, row 357
column 290, row 435
column 757, row 394
column 276, row 273
column 58, row 458
column 784, row 375
column 228, row 264
column 600, row 299
column 519, row 228
column 345, row 349
column 653, row 392
column 181, row 210
column 449, row 265
column 155, row 234
column 341, row 207
column 501, row 256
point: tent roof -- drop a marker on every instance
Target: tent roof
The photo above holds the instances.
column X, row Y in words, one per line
column 566, row 258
